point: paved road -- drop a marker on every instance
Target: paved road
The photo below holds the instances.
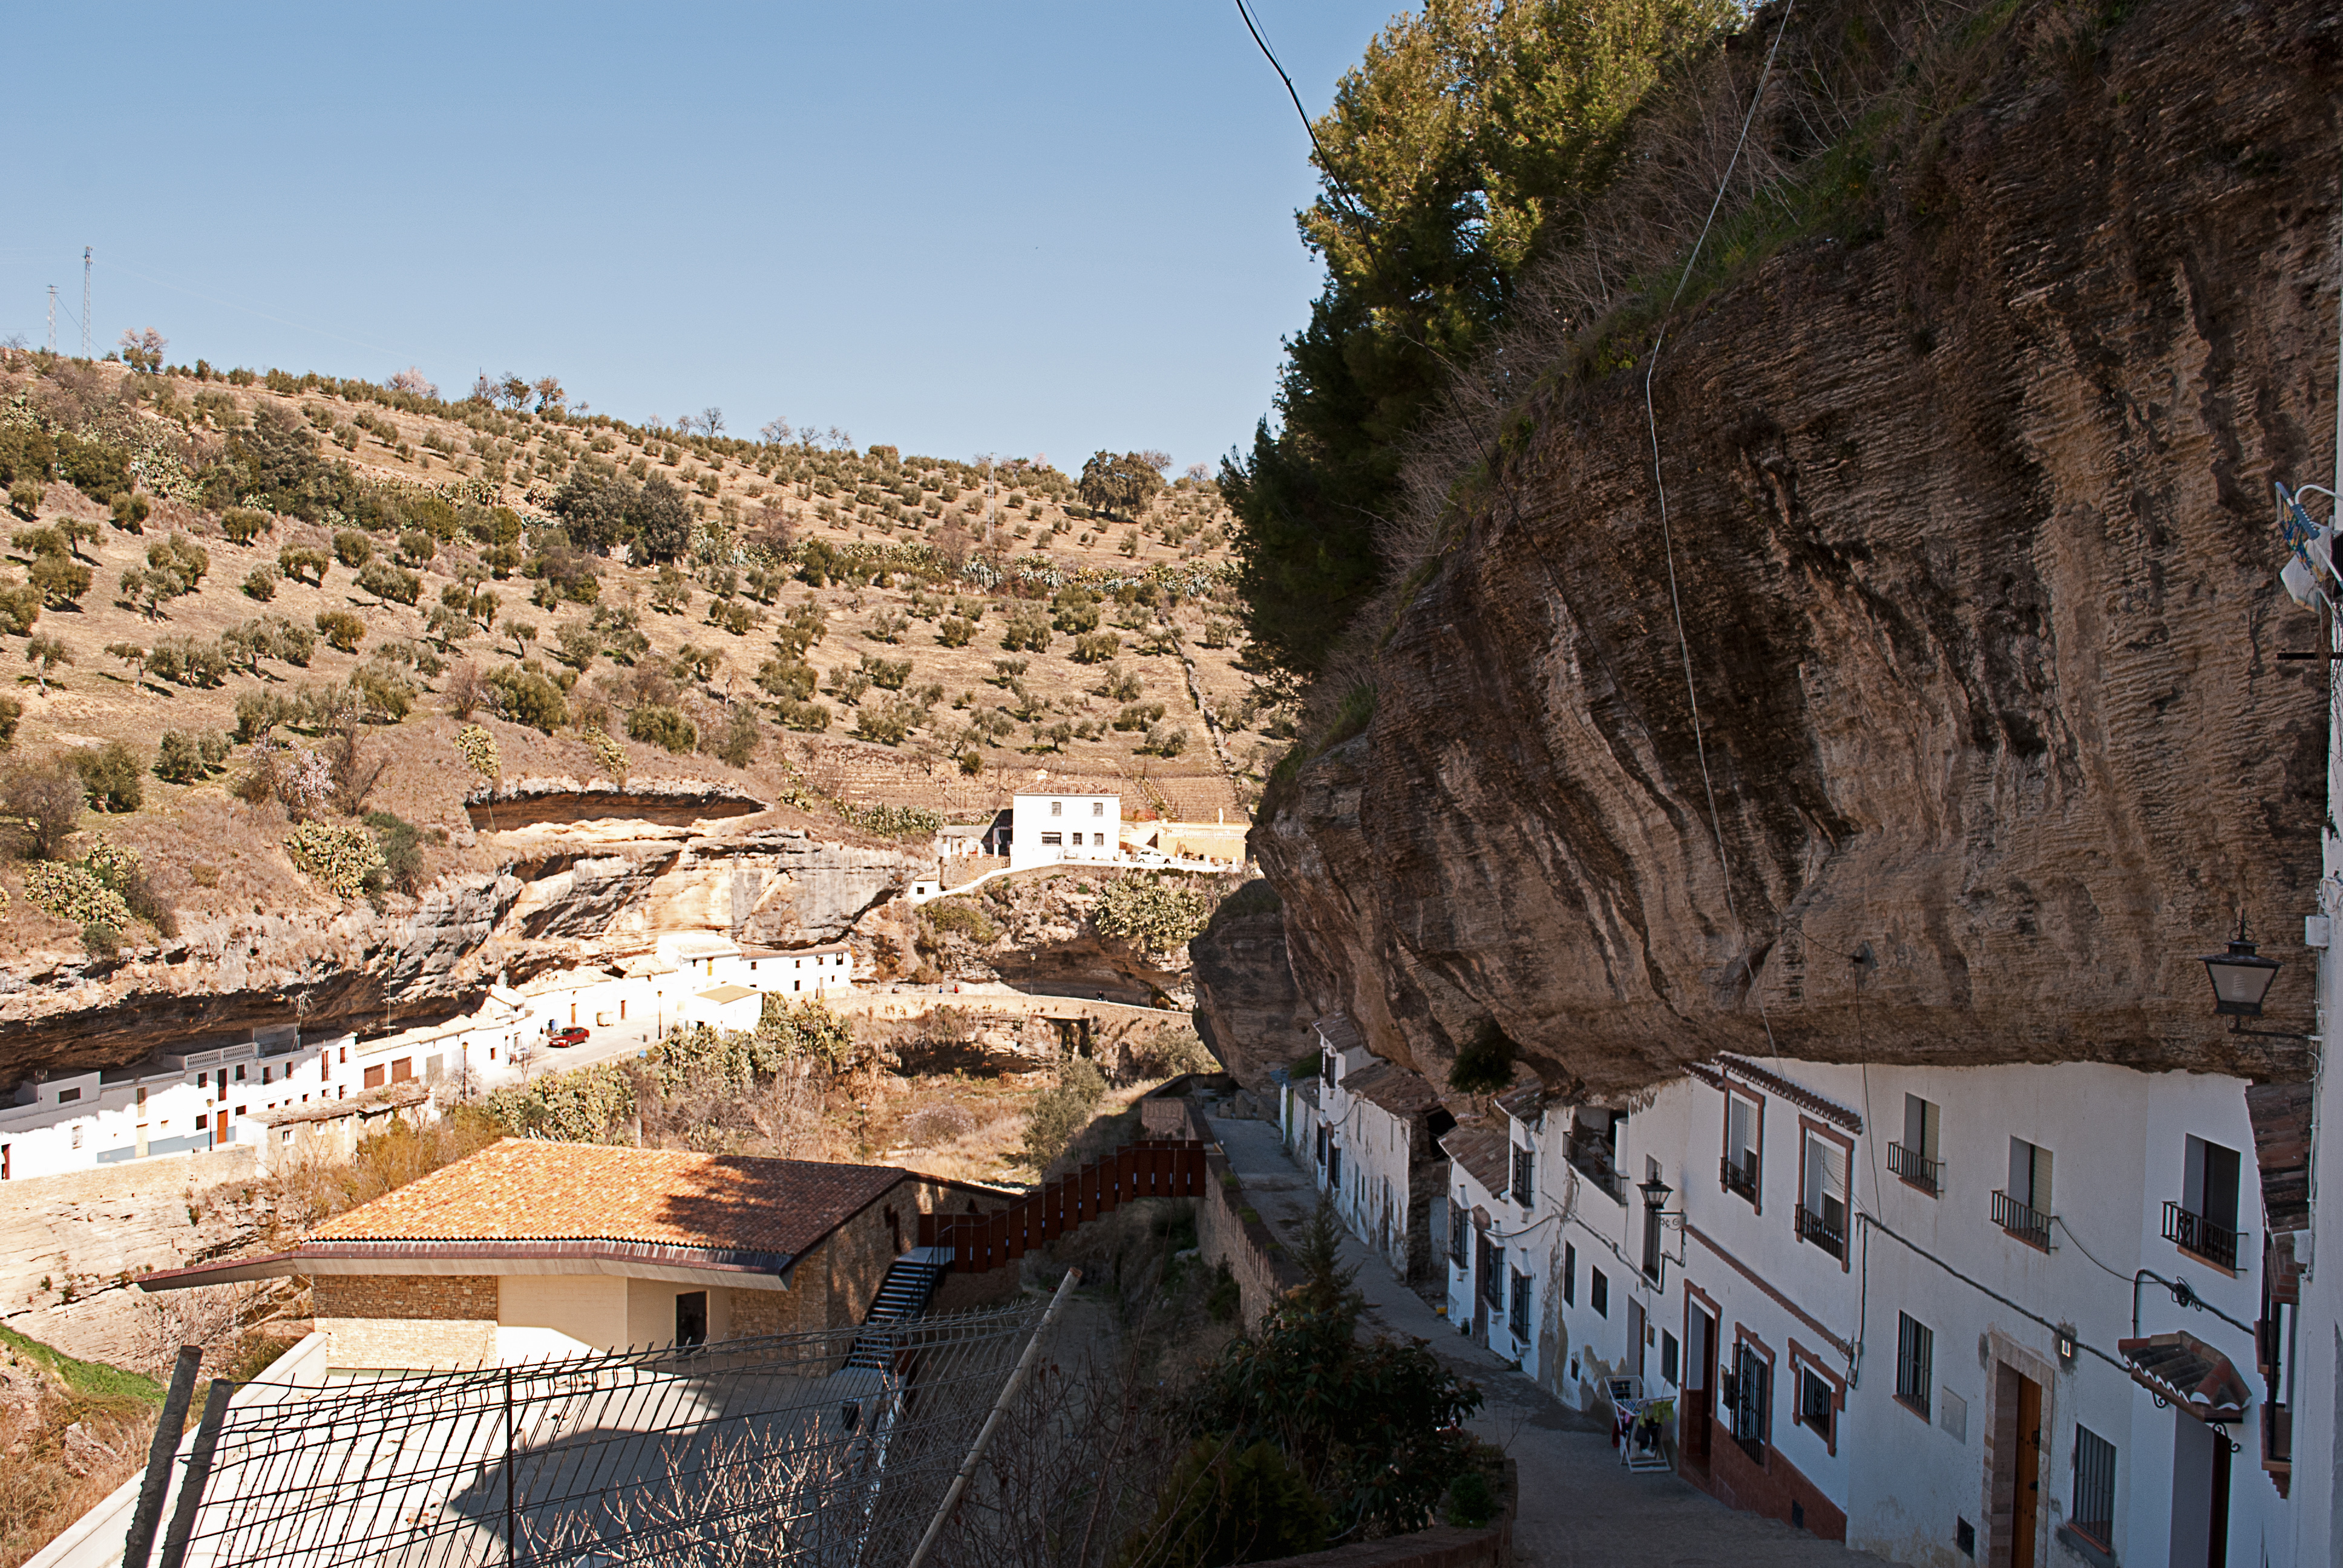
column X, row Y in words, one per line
column 1579, row 1507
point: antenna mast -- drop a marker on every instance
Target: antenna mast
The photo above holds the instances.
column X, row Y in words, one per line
column 86, row 352
column 53, row 318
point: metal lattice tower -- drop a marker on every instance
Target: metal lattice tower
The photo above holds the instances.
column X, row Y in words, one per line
column 87, row 352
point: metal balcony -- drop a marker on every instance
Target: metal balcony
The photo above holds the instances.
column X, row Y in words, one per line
column 1917, row 1170
column 1591, row 1158
column 2192, row 1232
column 1741, row 1178
column 1814, row 1228
column 2027, row 1224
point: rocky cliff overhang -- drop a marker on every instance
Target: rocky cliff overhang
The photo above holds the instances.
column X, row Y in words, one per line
column 1978, row 597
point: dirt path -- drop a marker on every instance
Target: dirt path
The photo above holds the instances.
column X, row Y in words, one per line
column 1579, row 1507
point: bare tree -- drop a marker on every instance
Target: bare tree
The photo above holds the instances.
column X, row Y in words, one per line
column 711, row 420
column 412, row 379
column 1155, row 459
column 776, row 432
column 551, row 397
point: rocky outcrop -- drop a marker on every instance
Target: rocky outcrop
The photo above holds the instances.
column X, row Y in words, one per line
column 1978, row 599
column 1038, row 934
column 575, row 891
column 1249, row 1011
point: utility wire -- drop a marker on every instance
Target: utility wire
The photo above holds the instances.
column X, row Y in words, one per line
column 1659, row 483
column 1341, row 186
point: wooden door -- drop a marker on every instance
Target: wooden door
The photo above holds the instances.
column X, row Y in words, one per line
column 2028, row 1495
column 1696, row 1410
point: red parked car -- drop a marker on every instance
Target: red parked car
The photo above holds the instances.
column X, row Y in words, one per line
column 564, row 1038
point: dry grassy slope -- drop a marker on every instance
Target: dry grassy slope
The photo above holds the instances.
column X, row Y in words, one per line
column 99, row 698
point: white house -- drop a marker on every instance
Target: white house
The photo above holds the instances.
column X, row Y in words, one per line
column 1865, row 1291
column 795, row 972
column 1378, row 1127
column 1049, row 828
column 726, row 1007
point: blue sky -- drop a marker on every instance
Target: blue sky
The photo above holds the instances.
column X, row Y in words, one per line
column 1046, row 227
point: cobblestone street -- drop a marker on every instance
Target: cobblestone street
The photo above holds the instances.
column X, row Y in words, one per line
column 1579, row 1507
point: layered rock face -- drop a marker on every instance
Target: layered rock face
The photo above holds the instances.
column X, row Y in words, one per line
column 1249, row 1011
column 574, row 889
column 1978, row 583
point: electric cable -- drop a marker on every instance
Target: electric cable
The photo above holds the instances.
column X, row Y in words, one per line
column 1668, row 536
column 1325, row 163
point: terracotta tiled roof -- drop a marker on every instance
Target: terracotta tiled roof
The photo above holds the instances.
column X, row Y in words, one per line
column 1392, row 1088
column 2281, row 1118
column 1484, row 1152
column 1521, row 1103
column 525, row 1190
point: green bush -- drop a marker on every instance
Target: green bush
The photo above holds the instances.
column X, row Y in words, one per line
column 114, row 775
column 1484, row 1064
column 385, row 581
column 260, row 583
column 353, row 549
column 954, row 632
column 525, row 697
column 243, row 525
column 1166, row 740
column 658, row 724
column 737, row 747
column 97, row 469
column 1222, row 1506
column 61, row 579
column 1156, row 911
column 1061, row 1112
column 786, row 680
column 961, row 918
column 888, row 674
column 20, row 607
column 343, row 860
column 812, row 717
column 1096, row 648
column 401, row 844
column 342, row 631
column 303, row 563
column 183, row 758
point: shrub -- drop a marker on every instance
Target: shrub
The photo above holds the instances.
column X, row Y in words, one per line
column 735, row 617
column 114, row 775
column 353, row 549
column 387, row 581
column 1221, row 1506
column 1166, row 740
column 1484, row 1064
column 340, row 859
column 787, row 679
column 181, row 557
column 385, row 695
column 243, row 524
column 61, row 579
column 607, row 753
column 525, row 697
column 888, row 674
column 402, row 851
column 1138, row 715
column 260, row 583
column 342, row 631
column 656, row 724
column 479, row 750
column 1058, row 1114
column 179, row 758
column 24, row 496
column 303, row 563
column 20, row 607
column 187, row 661
column 1096, row 648
column 954, row 632
column 416, row 546
column 1154, row 911
column 41, row 804
column 804, row 715
column 257, row 713
column 1027, row 628
column 101, row 942
column 73, row 894
column 961, row 918
column 887, row 723
column 94, row 468
column 12, row 713
column 741, row 737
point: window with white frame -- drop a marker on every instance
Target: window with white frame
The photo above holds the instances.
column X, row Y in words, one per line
column 1822, row 1194
column 1743, row 1134
column 1918, row 1160
column 2023, row 1208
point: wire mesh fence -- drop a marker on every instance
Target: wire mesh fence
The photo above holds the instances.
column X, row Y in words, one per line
column 830, row 1448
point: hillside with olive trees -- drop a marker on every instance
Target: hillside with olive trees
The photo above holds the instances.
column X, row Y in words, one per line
column 272, row 638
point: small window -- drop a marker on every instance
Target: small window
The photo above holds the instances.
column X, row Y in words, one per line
column 374, row 1074
column 1058, row 840
column 1815, row 1398
column 1459, row 1227
column 1569, row 1274
column 67, row 1096
column 1057, row 808
column 1743, row 1124
column 1917, row 1160
column 2023, row 1208
column 2094, row 1513
column 1525, row 1187
column 1598, row 1292
column 2205, row 1220
column 1822, row 1201
column 1493, row 1274
column 1671, row 1358
column 1521, row 1324
column 1098, row 807
column 1751, row 1398
column 203, row 1080
column 1915, row 1357
column 402, row 1069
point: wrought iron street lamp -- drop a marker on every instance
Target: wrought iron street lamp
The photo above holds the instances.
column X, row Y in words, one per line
column 2241, row 977
column 1655, row 1192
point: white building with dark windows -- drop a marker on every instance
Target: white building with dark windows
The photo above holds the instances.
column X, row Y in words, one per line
column 1053, row 827
column 1997, row 1314
column 1375, row 1138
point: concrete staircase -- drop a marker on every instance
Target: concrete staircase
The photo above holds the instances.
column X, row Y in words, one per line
column 903, row 1295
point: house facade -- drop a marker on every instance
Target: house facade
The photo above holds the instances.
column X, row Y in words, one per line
column 1948, row 1315
column 530, row 1249
column 1376, row 1147
column 1049, row 828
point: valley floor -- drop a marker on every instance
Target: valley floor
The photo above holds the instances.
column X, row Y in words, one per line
column 1579, row 1507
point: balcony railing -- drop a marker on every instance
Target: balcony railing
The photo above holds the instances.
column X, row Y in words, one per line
column 1814, row 1228
column 1590, row 1156
column 2192, row 1232
column 1741, row 1178
column 2027, row 1224
column 1917, row 1169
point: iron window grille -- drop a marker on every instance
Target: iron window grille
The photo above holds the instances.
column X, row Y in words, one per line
column 1569, row 1274
column 2021, row 1220
column 1590, row 1154
column 1598, row 1292
column 1521, row 1313
column 1750, row 1397
column 2093, row 1513
column 1740, row 1177
column 1916, row 1356
column 1821, row 1229
column 2193, row 1232
column 1525, row 1165
column 1814, row 1402
column 1460, row 1226
column 1917, row 1170
column 1492, row 1275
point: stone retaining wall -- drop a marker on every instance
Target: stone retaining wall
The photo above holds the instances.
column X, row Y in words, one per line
column 93, row 1227
column 1228, row 1230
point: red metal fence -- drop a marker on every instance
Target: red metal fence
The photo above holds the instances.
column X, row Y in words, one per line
column 1150, row 1168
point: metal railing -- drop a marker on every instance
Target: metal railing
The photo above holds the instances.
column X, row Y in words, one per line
column 2193, row 1232
column 1741, row 1178
column 1917, row 1169
column 1590, row 1156
column 1814, row 1228
column 2025, row 1223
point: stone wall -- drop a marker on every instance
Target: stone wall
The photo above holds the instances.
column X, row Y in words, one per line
column 406, row 1320
column 1228, row 1231
column 92, row 1228
column 833, row 1288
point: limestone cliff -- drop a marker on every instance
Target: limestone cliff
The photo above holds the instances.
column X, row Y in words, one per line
column 585, row 877
column 1972, row 528
column 1248, row 1010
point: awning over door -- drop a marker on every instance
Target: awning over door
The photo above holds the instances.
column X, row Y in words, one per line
column 2184, row 1371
